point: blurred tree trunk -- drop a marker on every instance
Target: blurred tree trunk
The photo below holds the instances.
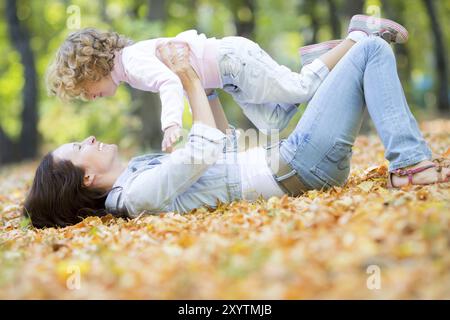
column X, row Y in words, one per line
column 147, row 105
column 157, row 10
column 335, row 24
column 310, row 9
column 353, row 7
column 26, row 147
column 103, row 11
column 350, row 9
column 441, row 63
column 244, row 21
column 394, row 10
column 8, row 149
column 244, row 17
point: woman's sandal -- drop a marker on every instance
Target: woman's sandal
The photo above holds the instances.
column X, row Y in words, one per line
column 439, row 164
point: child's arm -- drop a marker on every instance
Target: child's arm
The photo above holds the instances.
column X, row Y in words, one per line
column 152, row 75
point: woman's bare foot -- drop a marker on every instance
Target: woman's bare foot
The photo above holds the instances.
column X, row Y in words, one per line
column 428, row 176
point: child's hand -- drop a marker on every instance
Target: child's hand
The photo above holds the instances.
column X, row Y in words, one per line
column 171, row 135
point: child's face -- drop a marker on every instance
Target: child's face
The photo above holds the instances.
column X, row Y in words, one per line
column 102, row 88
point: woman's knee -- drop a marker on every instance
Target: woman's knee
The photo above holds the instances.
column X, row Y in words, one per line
column 377, row 45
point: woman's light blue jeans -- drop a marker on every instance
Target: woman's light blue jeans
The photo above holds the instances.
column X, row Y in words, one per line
column 320, row 147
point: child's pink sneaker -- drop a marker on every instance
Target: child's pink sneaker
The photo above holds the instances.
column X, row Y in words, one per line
column 389, row 30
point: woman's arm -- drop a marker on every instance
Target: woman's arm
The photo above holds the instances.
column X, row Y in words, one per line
column 218, row 113
column 155, row 189
column 179, row 63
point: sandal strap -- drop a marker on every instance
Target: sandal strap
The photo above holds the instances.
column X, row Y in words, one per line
column 441, row 162
column 411, row 172
column 388, row 34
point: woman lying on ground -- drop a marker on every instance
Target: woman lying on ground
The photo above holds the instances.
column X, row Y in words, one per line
column 81, row 179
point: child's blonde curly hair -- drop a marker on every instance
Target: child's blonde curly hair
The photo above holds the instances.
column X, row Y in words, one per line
column 86, row 55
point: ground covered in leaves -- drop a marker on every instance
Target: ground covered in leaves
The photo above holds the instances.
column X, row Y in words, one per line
column 359, row 241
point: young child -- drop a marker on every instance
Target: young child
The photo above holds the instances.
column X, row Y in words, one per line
column 91, row 64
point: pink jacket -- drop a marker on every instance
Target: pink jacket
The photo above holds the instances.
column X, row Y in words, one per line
column 138, row 66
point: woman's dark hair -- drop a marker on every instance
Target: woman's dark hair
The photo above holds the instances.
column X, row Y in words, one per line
column 58, row 196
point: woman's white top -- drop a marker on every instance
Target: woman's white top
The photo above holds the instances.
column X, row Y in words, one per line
column 256, row 176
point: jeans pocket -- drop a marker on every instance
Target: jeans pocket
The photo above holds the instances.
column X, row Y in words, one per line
column 334, row 167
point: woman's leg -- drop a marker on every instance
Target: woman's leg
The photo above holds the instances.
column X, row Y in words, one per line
column 320, row 147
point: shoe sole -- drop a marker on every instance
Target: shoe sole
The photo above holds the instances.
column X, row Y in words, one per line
column 319, row 46
column 401, row 32
column 313, row 51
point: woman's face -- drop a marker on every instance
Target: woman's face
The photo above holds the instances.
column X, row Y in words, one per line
column 98, row 159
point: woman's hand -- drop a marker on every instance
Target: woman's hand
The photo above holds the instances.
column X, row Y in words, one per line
column 176, row 58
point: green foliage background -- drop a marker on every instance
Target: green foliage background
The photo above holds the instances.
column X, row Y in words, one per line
column 281, row 27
